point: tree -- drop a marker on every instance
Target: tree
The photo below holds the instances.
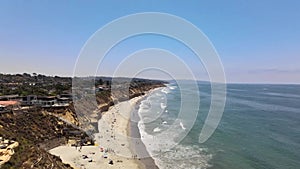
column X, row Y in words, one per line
column 100, row 82
column 26, row 75
column 107, row 83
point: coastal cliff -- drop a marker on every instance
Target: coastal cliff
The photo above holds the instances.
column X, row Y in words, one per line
column 38, row 129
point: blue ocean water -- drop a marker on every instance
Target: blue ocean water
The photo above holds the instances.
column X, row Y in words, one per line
column 260, row 128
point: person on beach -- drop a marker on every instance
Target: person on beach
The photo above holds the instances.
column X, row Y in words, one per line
column 80, row 146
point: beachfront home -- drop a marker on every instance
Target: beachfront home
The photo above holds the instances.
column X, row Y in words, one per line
column 62, row 102
column 29, row 100
column 42, row 101
column 69, row 96
column 46, row 101
column 65, row 99
column 9, row 105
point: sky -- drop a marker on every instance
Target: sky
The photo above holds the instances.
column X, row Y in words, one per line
column 257, row 41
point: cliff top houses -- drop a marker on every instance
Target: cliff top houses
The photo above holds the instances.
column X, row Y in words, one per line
column 9, row 105
column 14, row 102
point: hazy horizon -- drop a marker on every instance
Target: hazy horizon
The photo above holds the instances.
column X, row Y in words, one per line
column 199, row 80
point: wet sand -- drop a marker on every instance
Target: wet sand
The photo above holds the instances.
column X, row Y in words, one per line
column 138, row 146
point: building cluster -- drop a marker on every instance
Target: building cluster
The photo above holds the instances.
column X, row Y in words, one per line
column 16, row 102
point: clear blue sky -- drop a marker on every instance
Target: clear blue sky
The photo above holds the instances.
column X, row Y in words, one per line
column 258, row 41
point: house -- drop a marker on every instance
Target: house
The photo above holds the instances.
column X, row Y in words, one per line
column 45, row 101
column 12, row 105
column 29, row 100
column 63, row 101
column 69, row 96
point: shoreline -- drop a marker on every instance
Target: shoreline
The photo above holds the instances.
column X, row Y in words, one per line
column 115, row 146
column 140, row 148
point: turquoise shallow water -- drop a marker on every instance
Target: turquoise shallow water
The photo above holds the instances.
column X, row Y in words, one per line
column 260, row 128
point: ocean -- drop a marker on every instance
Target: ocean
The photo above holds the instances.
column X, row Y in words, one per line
column 259, row 129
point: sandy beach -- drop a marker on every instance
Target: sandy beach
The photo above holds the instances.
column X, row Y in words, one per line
column 112, row 148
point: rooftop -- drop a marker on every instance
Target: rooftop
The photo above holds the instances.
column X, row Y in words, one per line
column 8, row 103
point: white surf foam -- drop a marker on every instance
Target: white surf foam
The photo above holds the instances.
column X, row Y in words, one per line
column 163, row 106
column 172, row 87
column 165, row 90
column 182, row 126
column 160, row 148
column 157, row 129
